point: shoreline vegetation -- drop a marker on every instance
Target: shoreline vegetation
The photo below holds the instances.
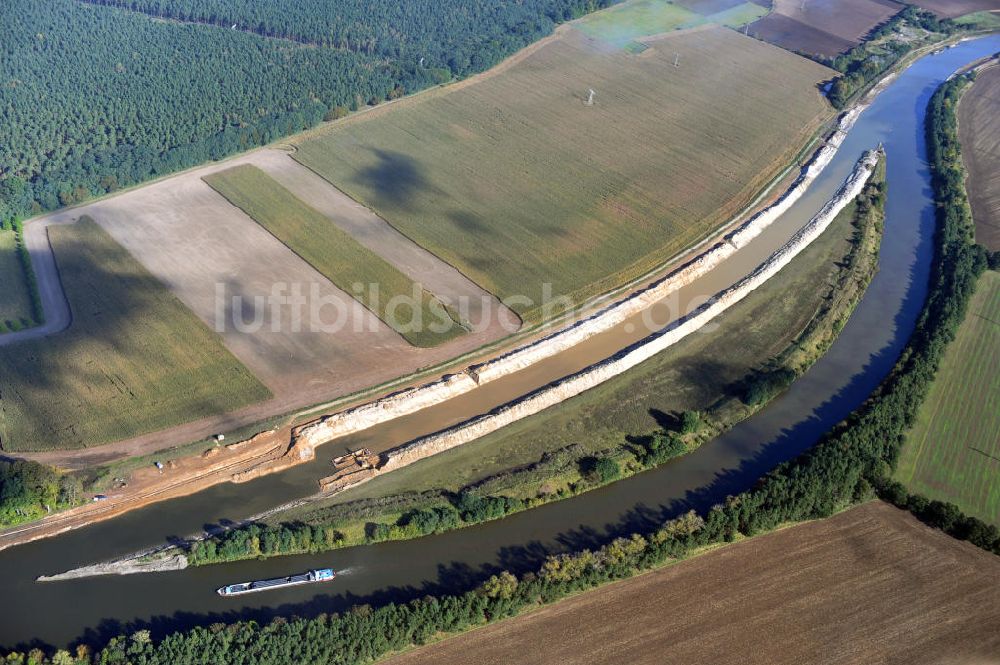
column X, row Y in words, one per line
column 572, row 470
column 850, row 465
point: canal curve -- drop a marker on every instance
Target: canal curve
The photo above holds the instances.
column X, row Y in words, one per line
column 95, row 609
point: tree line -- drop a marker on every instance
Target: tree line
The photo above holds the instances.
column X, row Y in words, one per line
column 96, row 98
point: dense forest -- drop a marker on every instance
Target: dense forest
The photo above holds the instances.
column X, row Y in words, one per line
column 463, row 36
column 94, row 98
column 849, row 465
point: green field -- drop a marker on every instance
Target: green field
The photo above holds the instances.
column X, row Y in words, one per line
column 15, row 303
column 953, row 451
column 335, row 254
column 815, row 292
column 517, row 182
column 739, row 15
column 621, row 24
column 134, row 360
column 985, row 20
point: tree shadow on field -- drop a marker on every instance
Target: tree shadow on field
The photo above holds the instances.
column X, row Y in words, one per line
column 393, row 179
column 84, row 371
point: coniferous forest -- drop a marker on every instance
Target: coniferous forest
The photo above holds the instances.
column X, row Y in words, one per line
column 96, row 97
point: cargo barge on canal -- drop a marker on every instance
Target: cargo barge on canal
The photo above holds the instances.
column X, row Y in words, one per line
column 318, row 575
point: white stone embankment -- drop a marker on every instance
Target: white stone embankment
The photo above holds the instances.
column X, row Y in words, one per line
column 409, row 401
column 600, row 372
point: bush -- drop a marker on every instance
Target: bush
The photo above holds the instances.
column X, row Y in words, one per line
column 600, row 470
column 764, row 386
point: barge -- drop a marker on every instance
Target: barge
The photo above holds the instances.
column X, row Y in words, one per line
column 310, row 577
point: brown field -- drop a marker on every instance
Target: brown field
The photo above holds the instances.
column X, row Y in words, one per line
column 824, row 27
column 870, row 585
column 664, row 156
column 953, row 8
column 979, row 131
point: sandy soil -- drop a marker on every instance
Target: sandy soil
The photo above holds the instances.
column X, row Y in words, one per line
column 871, row 585
column 979, row 132
column 149, row 485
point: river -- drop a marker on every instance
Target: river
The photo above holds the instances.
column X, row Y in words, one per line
column 94, row 609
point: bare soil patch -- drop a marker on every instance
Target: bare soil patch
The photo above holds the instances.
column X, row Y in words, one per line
column 824, row 27
column 871, row 585
column 979, row 132
column 953, row 8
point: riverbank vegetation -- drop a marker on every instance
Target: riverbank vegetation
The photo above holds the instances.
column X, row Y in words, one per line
column 134, row 359
column 424, row 321
column 630, row 180
column 668, row 406
column 865, row 64
column 30, row 491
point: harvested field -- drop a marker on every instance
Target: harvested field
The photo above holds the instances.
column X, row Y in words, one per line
column 953, row 451
column 823, row 27
column 337, row 255
column 15, row 303
column 870, row 585
column 664, row 156
column 134, row 360
column 953, row 8
column 979, row 131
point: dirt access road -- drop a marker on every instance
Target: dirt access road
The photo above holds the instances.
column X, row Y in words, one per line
column 870, row 585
